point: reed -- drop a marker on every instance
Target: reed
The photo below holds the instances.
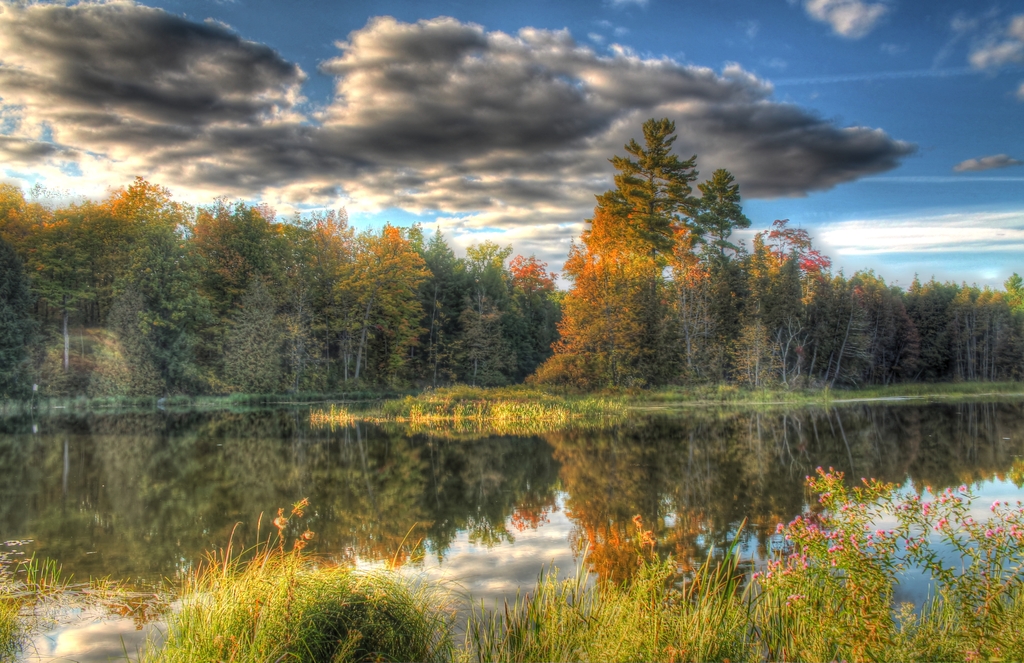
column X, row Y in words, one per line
column 28, row 588
column 10, row 630
column 276, row 605
column 654, row 617
column 502, row 411
column 828, row 597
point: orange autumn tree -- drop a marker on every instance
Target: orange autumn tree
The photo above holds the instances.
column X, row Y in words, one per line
column 613, row 328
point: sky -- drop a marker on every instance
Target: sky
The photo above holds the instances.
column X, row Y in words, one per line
column 892, row 130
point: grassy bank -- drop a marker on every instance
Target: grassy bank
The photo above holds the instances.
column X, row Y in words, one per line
column 735, row 395
column 827, row 593
column 282, row 607
column 461, row 404
column 64, row 404
column 502, row 411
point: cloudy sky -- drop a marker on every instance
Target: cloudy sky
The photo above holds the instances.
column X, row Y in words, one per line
column 893, row 130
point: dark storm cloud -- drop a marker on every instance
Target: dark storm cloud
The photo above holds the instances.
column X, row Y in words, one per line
column 436, row 114
column 117, row 60
column 25, row 151
column 512, row 106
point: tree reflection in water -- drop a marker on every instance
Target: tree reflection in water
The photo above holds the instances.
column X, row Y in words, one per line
column 143, row 496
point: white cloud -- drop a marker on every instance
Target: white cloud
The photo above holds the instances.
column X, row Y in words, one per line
column 500, row 133
column 627, row 3
column 986, row 163
column 849, row 18
column 1020, row 91
column 947, row 233
column 1005, row 47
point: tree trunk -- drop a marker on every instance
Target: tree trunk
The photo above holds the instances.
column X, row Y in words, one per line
column 67, row 340
column 842, row 348
column 362, row 337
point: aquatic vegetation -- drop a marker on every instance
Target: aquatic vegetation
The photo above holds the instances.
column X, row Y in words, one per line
column 10, row 630
column 828, row 596
column 27, row 588
column 336, row 416
column 499, row 411
column 656, row 616
column 273, row 603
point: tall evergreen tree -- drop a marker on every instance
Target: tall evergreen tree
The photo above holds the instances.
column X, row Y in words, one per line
column 125, row 365
column 16, row 324
column 252, row 359
column 614, row 317
column 719, row 212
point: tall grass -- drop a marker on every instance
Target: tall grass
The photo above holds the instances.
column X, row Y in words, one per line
column 10, row 630
column 27, row 586
column 504, row 411
column 286, row 608
column 829, row 597
column 275, row 605
column 654, row 617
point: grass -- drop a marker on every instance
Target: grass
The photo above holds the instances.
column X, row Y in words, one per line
column 830, row 597
column 10, row 628
column 733, row 394
column 462, row 404
column 518, row 410
column 81, row 403
column 282, row 606
column 651, row 618
column 27, row 586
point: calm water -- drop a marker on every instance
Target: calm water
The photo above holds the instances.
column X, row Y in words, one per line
column 141, row 497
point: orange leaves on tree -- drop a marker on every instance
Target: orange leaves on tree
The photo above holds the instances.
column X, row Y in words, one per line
column 531, row 275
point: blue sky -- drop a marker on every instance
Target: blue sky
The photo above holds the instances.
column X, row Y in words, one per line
column 890, row 129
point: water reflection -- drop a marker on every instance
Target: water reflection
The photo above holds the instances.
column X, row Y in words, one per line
column 143, row 496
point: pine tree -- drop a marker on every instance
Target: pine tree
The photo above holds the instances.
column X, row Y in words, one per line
column 125, row 365
column 720, row 212
column 614, row 319
column 16, row 324
column 252, row 361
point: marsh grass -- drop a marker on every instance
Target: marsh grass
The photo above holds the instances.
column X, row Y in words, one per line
column 728, row 394
column 29, row 591
column 657, row 616
column 518, row 410
column 272, row 604
column 829, row 597
column 284, row 607
column 10, row 629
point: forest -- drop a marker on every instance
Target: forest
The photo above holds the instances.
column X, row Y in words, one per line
column 142, row 295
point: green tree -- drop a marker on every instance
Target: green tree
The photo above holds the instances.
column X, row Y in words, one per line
column 442, row 296
column 16, row 325
column 162, row 266
column 614, row 319
column 652, row 199
column 719, row 212
column 125, row 365
column 252, row 359
column 1015, row 292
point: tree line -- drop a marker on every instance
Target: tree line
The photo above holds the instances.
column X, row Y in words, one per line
column 662, row 295
column 138, row 294
column 141, row 295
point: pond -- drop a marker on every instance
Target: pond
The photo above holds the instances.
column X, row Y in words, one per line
column 140, row 498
